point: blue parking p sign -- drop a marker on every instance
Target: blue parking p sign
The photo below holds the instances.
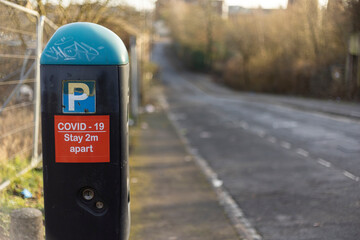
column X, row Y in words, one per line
column 79, row 96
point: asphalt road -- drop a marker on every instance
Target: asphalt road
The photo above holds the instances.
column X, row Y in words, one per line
column 294, row 171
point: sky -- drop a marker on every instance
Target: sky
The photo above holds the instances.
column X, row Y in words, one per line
column 244, row 3
column 141, row 4
column 148, row 4
column 264, row 3
column 256, row 3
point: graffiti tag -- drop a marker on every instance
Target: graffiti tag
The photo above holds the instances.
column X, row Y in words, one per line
column 69, row 49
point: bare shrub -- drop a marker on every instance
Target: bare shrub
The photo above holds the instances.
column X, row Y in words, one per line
column 287, row 51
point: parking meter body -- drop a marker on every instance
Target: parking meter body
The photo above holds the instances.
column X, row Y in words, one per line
column 84, row 91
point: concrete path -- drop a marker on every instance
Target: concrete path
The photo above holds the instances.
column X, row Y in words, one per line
column 170, row 198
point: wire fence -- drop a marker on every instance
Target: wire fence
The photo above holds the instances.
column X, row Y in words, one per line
column 23, row 34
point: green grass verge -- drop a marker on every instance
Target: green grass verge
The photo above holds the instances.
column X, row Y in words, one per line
column 9, row 169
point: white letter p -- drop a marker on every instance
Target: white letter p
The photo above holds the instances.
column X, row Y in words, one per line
column 72, row 97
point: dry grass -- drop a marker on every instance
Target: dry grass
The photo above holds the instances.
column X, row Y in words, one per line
column 16, row 144
column 16, row 133
column 16, row 140
column 284, row 51
column 18, row 35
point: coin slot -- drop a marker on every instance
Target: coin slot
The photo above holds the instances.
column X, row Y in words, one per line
column 88, row 194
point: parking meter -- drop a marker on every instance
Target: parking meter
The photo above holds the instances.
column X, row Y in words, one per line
column 84, row 91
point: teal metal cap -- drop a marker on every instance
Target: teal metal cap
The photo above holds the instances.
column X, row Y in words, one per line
column 84, row 43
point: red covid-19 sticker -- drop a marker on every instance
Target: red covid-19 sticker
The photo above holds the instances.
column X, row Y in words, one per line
column 82, row 139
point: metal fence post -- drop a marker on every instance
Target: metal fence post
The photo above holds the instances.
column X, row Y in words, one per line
column 33, row 124
column 39, row 32
column 134, row 84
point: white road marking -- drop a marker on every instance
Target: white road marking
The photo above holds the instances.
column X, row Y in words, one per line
column 217, row 183
column 285, row 124
column 302, row 152
column 355, row 114
column 285, row 145
column 234, row 212
column 271, row 139
column 258, row 131
column 324, row 162
column 351, row 176
column 261, row 134
column 244, row 125
column 205, row 134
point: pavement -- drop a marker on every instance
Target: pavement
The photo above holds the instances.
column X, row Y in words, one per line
column 170, row 197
